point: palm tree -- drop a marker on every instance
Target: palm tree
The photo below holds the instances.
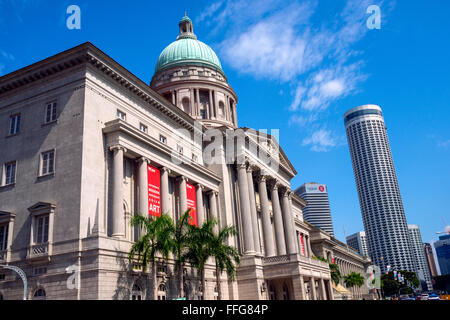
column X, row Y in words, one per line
column 353, row 279
column 199, row 248
column 225, row 256
column 155, row 240
column 179, row 241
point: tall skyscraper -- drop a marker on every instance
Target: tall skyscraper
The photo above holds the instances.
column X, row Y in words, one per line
column 442, row 248
column 358, row 242
column 423, row 272
column 317, row 210
column 379, row 194
column 430, row 259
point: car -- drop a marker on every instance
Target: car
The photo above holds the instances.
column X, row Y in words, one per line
column 404, row 297
column 434, row 297
column 424, row 296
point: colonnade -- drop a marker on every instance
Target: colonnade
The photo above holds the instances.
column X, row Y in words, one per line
column 118, row 221
column 211, row 107
column 281, row 241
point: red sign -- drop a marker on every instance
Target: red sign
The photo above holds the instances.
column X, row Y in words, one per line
column 321, row 189
column 191, row 204
column 154, row 191
column 303, row 245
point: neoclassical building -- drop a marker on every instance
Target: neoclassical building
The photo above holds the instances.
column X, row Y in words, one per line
column 85, row 145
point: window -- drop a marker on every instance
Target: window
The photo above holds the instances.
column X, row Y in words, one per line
column 3, row 237
column 41, row 229
column 203, row 113
column 162, row 139
column 48, row 162
column 162, row 292
column 121, row 115
column 143, row 128
column 10, row 173
column 136, row 293
column 15, row 124
column 50, row 112
column 179, row 149
column 39, row 294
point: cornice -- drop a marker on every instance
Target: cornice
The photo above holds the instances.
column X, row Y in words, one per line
column 89, row 54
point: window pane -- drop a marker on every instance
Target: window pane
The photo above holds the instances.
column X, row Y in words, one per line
column 3, row 237
column 46, row 219
column 39, row 230
column 53, row 111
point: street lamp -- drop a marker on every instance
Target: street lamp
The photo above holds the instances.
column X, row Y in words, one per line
column 22, row 275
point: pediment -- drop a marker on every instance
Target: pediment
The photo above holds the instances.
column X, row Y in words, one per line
column 42, row 206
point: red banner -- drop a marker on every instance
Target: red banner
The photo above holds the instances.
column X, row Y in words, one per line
column 191, row 204
column 154, row 191
column 302, row 243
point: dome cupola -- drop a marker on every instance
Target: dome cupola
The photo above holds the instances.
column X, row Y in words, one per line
column 189, row 74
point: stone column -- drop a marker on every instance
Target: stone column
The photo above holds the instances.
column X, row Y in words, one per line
column 302, row 288
column 288, row 223
column 165, row 202
column 313, row 288
column 245, row 209
column 118, row 218
column 179, row 100
column 183, row 195
column 197, row 92
column 278, row 220
column 173, row 98
column 143, row 187
column 330, row 289
column 322, row 289
column 227, row 108
column 265, row 217
column 235, row 114
column 308, row 241
column 254, row 214
column 191, row 102
column 213, row 207
column 199, row 198
column 211, row 105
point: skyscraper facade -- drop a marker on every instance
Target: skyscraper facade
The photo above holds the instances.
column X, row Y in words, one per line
column 430, row 259
column 317, row 211
column 423, row 272
column 358, row 242
column 442, row 248
column 379, row 194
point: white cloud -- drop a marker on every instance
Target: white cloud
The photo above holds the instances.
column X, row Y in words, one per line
column 288, row 42
column 320, row 141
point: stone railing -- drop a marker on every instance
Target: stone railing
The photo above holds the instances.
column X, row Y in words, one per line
column 276, row 259
column 39, row 250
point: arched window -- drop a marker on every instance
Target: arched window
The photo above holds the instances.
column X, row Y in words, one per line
column 39, row 294
column 162, row 292
column 221, row 110
column 186, row 105
column 136, row 293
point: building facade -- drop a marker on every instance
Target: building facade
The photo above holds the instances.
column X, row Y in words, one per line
column 442, row 248
column 326, row 246
column 430, row 259
column 358, row 242
column 423, row 272
column 317, row 211
column 379, row 194
column 86, row 146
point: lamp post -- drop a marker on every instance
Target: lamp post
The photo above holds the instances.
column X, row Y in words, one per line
column 22, row 275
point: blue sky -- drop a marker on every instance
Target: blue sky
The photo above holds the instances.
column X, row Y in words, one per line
column 296, row 66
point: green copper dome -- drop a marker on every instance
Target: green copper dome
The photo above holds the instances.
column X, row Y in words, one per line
column 187, row 50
